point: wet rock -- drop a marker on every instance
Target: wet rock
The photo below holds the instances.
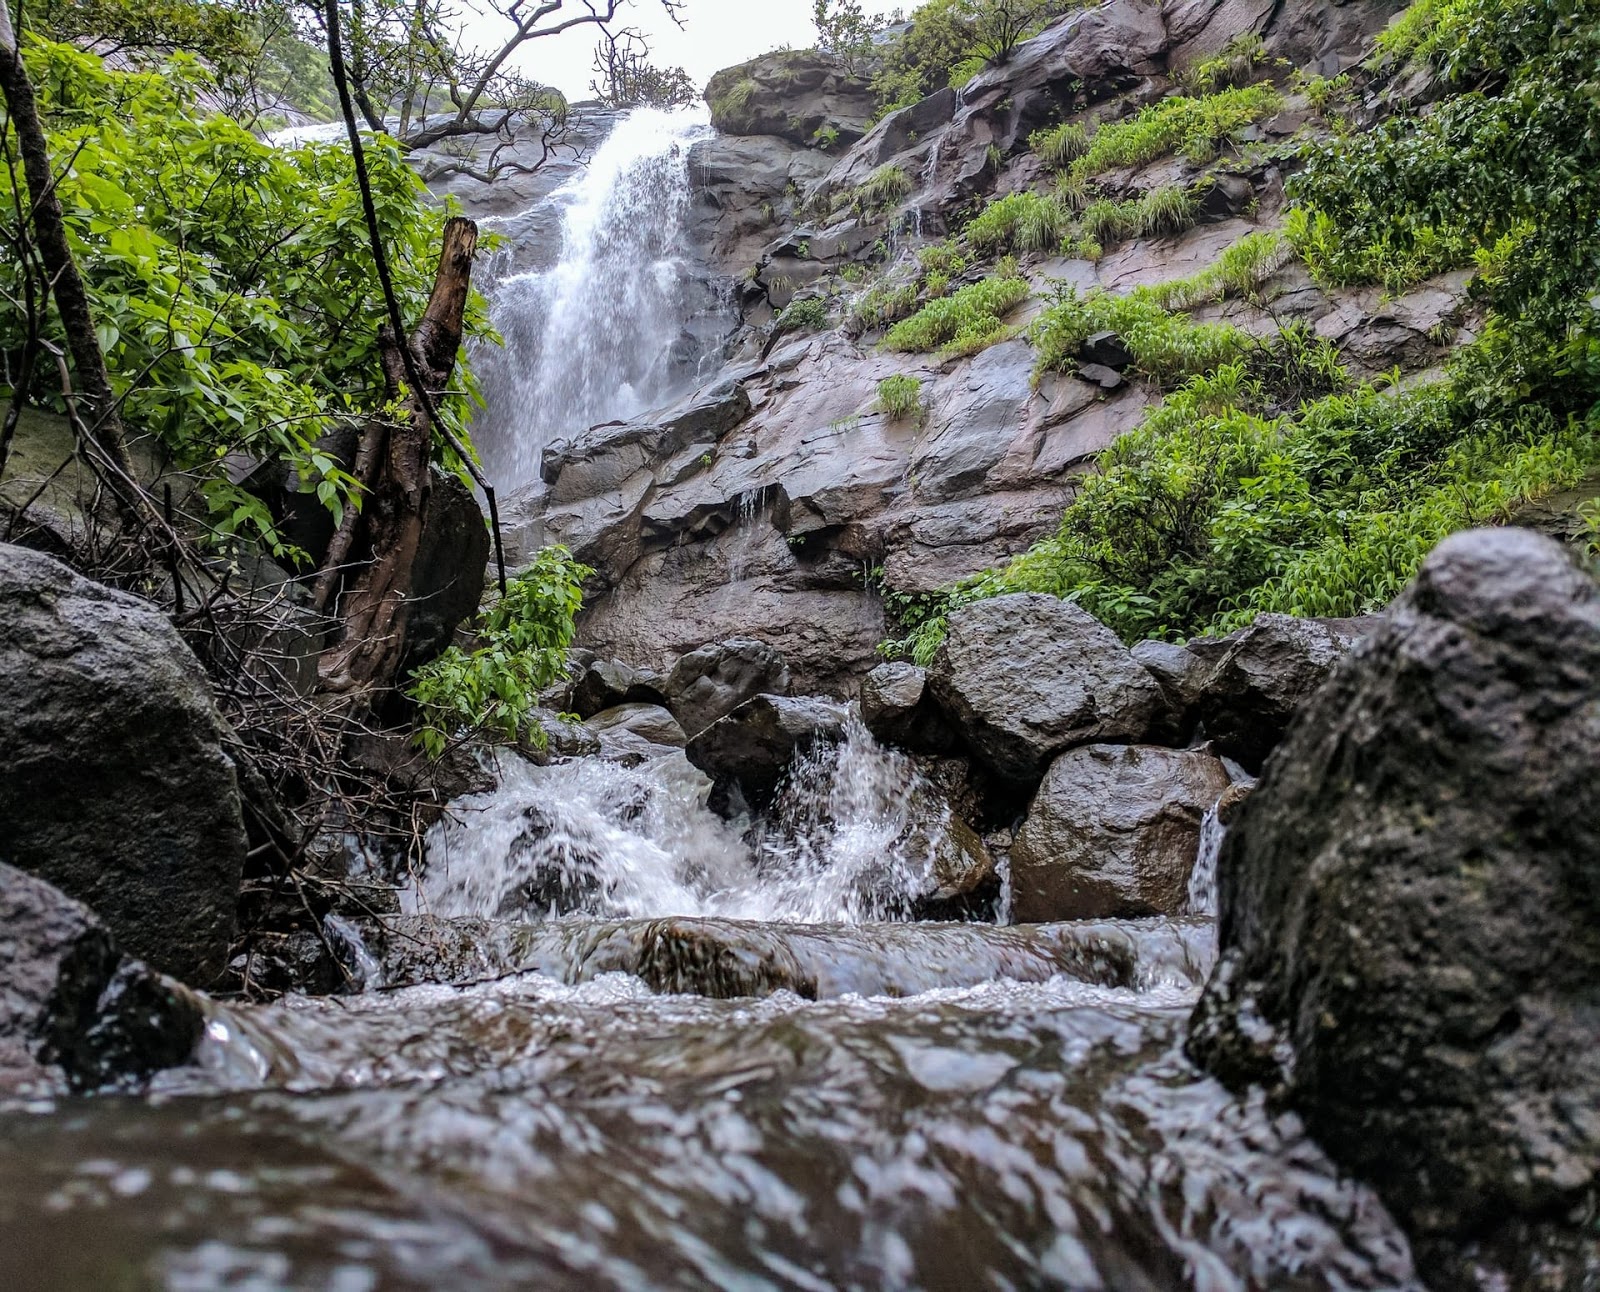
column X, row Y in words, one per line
column 1098, row 374
column 899, row 710
column 753, row 746
column 1181, row 674
column 1410, row 918
column 448, row 577
column 713, row 681
column 1258, row 684
column 114, row 783
column 1024, row 677
column 796, row 94
column 640, row 721
column 562, row 738
column 603, row 684
column 1108, row 350
column 72, row 1008
column 1113, row 831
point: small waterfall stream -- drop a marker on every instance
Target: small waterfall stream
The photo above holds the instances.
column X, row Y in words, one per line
column 602, row 333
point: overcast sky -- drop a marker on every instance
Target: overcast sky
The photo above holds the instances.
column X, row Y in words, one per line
column 716, row 34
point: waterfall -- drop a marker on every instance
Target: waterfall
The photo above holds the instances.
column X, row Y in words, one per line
column 852, row 838
column 603, row 333
column 1203, row 878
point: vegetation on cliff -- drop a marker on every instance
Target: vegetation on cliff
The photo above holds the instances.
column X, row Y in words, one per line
column 1270, row 480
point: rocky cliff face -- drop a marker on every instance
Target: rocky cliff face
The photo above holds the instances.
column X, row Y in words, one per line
column 781, row 499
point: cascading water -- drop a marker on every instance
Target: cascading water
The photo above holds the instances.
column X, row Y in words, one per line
column 602, row 334
column 852, row 838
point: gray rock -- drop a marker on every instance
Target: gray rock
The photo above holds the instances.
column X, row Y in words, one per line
column 647, row 722
column 562, row 739
column 1099, row 375
column 1024, row 677
column 898, row 709
column 1410, row 917
column 796, row 94
column 1181, row 674
column 1113, row 831
column 1256, row 687
column 603, row 684
column 1108, row 350
column 713, row 681
column 114, row 783
column 753, row 746
column 72, row 1009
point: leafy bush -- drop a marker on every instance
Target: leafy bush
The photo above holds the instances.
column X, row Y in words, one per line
column 1194, row 127
column 971, row 320
column 1060, row 146
column 945, row 257
column 1165, row 346
column 807, row 314
column 522, row 649
column 1235, row 64
column 883, row 188
column 900, row 396
column 1018, row 222
column 235, row 290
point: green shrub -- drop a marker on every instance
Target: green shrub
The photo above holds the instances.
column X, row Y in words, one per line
column 1165, row 346
column 971, row 320
column 1236, row 63
column 945, row 257
column 1061, row 145
column 1240, row 270
column 900, row 397
column 805, row 314
column 1194, row 127
column 1023, row 221
column 521, row 650
column 882, row 304
column 882, row 189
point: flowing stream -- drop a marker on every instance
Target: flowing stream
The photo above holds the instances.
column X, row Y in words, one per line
column 618, row 1042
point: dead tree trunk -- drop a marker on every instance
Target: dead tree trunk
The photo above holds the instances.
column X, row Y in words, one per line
column 100, row 417
column 375, row 609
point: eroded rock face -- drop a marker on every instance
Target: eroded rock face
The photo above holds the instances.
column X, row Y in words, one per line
column 114, row 783
column 802, row 95
column 1410, row 915
column 71, row 1007
column 1114, row 831
column 710, row 683
column 1024, row 677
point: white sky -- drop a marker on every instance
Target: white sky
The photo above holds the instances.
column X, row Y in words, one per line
column 717, row 34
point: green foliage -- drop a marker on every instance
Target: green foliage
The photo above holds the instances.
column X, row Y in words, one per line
column 1023, row 221
column 521, row 650
column 1240, row 270
column 971, row 320
column 881, row 305
column 900, row 397
column 1195, row 127
column 232, row 281
column 731, row 106
column 1270, row 482
column 1408, row 32
column 1169, row 209
column 945, row 258
column 1323, row 92
column 1236, row 63
column 807, row 314
column 843, row 30
column 882, row 189
column 1165, row 346
column 1060, row 146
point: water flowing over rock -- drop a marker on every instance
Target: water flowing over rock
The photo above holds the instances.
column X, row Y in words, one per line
column 1026, row 676
column 754, row 745
column 1114, row 831
column 1410, row 922
column 114, row 781
column 606, row 330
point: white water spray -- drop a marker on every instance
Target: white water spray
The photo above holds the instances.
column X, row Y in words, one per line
column 597, row 337
column 852, row 838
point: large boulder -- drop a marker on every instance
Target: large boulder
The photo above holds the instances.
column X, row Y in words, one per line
column 1263, row 676
column 898, row 708
column 1025, row 677
column 72, row 1009
column 802, row 95
column 1114, row 831
column 713, row 681
column 114, row 782
column 603, row 684
column 1410, row 916
column 753, row 746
